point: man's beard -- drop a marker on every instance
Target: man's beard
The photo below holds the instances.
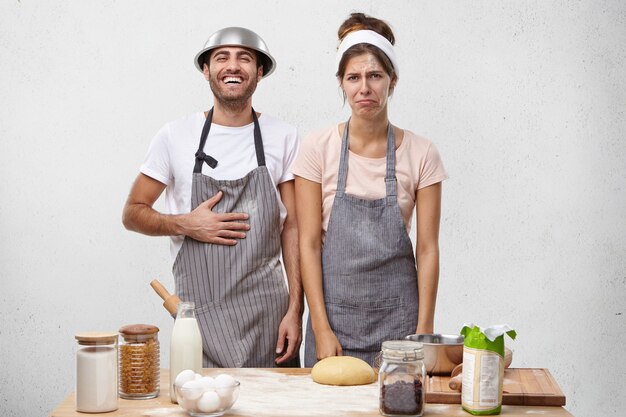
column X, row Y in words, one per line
column 232, row 102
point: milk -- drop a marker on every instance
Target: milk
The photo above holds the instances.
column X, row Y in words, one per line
column 185, row 345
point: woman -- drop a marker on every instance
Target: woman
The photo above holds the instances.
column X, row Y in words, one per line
column 357, row 185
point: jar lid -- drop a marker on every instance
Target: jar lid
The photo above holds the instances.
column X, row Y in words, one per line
column 404, row 350
column 138, row 332
column 96, row 338
column 138, row 329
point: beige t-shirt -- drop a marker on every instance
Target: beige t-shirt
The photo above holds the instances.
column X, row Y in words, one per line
column 418, row 165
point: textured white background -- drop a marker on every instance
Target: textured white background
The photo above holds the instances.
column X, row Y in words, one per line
column 525, row 100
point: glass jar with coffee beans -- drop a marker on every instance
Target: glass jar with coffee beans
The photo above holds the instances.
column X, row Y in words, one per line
column 401, row 379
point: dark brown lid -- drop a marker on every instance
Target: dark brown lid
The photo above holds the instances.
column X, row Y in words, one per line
column 138, row 329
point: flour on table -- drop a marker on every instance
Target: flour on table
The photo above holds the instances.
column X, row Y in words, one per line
column 292, row 395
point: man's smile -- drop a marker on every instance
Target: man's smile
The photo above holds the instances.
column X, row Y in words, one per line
column 232, row 80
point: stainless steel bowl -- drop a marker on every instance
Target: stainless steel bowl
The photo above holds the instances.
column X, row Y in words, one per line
column 442, row 352
column 237, row 36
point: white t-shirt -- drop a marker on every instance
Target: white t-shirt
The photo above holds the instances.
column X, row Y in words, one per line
column 171, row 157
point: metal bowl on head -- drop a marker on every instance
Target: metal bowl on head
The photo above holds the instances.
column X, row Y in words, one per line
column 238, row 36
column 442, row 352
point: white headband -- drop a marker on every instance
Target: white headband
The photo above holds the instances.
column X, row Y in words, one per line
column 372, row 38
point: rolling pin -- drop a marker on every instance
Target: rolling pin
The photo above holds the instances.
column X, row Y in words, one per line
column 170, row 301
column 456, row 382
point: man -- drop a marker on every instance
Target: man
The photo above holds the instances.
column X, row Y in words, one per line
column 230, row 197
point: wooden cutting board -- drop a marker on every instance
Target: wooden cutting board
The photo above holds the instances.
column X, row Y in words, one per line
column 521, row 386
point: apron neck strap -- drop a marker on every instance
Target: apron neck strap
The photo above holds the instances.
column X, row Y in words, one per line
column 201, row 157
column 258, row 141
column 390, row 174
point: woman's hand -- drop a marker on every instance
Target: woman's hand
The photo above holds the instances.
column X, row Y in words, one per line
column 327, row 344
column 424, row 328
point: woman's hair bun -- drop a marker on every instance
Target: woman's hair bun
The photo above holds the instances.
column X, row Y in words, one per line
column 361, row 21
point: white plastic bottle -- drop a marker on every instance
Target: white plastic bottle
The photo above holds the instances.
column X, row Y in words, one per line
column 185, row 345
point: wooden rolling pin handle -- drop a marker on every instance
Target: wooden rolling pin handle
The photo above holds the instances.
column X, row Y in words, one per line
column 171, row 301
column 456, row 382
column 160, row 289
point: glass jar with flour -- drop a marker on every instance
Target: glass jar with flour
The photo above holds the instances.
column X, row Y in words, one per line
column 96, row 372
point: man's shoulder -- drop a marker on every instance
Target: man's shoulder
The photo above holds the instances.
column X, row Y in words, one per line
column 183, row 129
column 277, row 125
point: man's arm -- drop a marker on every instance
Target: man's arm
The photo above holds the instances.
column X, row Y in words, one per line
column 291, row 325
column 201, row 224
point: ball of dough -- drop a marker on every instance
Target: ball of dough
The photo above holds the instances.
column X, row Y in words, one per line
column 343, row 370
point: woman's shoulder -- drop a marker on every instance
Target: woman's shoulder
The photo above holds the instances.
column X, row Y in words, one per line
column 321, row 141
column 417, row 145
column 416, row 141
column 323, row 135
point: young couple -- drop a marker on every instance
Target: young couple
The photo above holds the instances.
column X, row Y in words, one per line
column 241, row 192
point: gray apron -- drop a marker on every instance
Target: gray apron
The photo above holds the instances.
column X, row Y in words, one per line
column 368, row 267
column 239, row 291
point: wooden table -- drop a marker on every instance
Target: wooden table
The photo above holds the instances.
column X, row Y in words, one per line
column 289, row 393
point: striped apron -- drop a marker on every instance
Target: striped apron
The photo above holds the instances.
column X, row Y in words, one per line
column 368, row 267
column 240, row 292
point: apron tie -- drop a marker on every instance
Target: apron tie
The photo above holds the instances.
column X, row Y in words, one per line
column 201, row 156
column 212, row 162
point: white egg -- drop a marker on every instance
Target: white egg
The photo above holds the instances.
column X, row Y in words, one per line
column 187, row 404
column 224, row 380
column 209, row 402
column 207, row 382
column 184, row 376
column 192, row 390
column 226, row 397
column 198, row 376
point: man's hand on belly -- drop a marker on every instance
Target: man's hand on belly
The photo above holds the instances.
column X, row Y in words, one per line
column 204, row 225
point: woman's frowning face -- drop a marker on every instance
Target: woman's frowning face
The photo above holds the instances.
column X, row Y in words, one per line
column 367, row 85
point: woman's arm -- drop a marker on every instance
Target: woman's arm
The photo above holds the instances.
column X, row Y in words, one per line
column 309, row 214
column 428, row 214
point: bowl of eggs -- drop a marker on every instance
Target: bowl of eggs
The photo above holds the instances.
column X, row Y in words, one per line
column 204, row 396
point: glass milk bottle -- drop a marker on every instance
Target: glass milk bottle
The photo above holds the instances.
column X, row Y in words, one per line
column 96, row 372
column 185, row 345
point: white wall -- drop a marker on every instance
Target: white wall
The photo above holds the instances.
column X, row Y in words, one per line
column 525, row 100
